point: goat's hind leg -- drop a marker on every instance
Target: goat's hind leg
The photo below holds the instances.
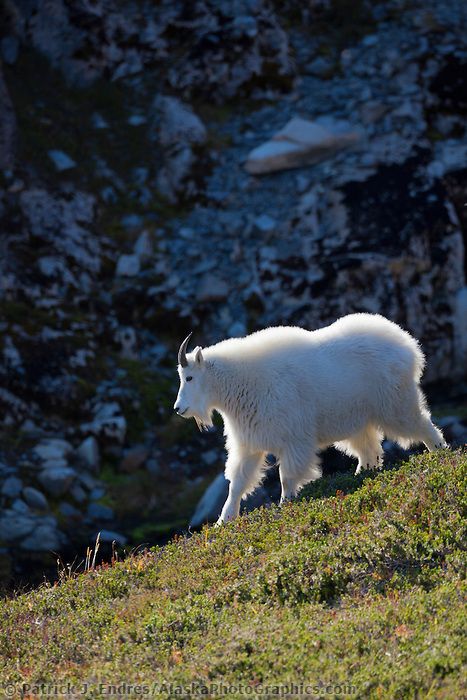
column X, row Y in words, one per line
column 296, row 468
column 366, row 446
column 413, row 423
column 421, row 430
column 434, row 438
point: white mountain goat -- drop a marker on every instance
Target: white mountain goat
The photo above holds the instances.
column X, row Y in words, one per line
column 292, row 392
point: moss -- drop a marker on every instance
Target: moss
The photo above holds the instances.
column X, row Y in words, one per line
column 452, row 409
column 153, row 508
column 339, row 23
column 54, row 115
column 435, row 135
column 153, row 393
column 176, row 432
column 150, row 532
column 32, row 319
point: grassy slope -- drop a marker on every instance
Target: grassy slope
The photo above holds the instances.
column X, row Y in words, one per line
column 362, row 587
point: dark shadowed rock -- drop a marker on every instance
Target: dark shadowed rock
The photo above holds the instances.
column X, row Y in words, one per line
column 15, row 525
column 57, row 480
column 134, row 458
column 35, row 498
column 12, row 487
column 98, row 511
column 7, row 127
column 44, row 538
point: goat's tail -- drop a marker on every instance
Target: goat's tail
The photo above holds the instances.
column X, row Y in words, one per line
column 418, row 357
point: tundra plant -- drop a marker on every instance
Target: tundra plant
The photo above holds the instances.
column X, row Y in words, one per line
column 293, row 392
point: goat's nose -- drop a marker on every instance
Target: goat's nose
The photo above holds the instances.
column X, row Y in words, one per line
column 176, row 408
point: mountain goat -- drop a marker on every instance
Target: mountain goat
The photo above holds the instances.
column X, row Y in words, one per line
column 292, row 392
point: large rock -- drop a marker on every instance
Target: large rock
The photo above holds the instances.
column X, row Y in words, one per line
column 99, row 511
column 88, row 452
column 211, row 287
column 35, row 498
column 300, row 142
column 45, row 538
column 61, row 160
column 210, row 506
column 15, row 525
column 53, row 449
column 57, row 480
column 178, row 123
column 212, row 501
column 128, row 265
column 12, row 487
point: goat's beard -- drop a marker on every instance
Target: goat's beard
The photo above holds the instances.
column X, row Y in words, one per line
column 202, row 427
column 204, row 423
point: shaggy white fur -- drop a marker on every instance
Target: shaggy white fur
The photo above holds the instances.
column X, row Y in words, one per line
column 292, row 392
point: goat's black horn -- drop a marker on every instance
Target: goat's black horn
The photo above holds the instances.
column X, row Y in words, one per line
column 182, row 361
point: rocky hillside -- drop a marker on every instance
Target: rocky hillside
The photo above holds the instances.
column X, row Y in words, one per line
column 356, row 590
column 215, row 167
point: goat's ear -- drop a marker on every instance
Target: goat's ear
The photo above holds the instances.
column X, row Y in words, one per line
column 199, row 359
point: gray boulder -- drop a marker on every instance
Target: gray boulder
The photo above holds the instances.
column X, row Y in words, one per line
column 212, row 287
column 15, row 525
column 211, row 503
column 45, row 537
column 210, row 506
column 61, row 160
column 178, row 123
column 53, row 448
column 300, row 142
column 19, row 506
column 12, row 487
column 128, row 266
column 88, row 452
column 98, row 511
column 69, row 511
column 35, row 498
column 57, row 480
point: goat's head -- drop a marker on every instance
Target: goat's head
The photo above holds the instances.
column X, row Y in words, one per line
column 192, row 399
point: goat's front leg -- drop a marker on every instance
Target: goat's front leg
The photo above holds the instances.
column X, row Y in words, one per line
column 244, row 474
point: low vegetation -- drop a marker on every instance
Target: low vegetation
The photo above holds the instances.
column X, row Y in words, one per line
column 356, row 589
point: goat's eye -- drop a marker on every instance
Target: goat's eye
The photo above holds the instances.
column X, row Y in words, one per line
column 188, row 379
